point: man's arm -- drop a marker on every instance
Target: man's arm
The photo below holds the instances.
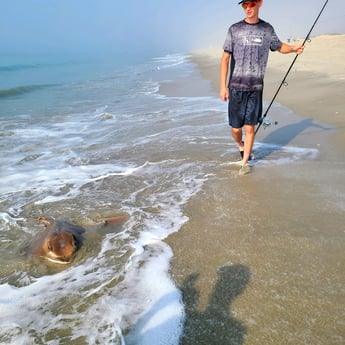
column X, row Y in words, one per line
column 286, row 49
column 224, row 69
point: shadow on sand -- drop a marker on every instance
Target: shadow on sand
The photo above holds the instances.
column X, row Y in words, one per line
column 215, row 325
column 284, row 135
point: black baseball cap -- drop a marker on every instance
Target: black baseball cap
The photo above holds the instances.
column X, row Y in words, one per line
column 241, row 2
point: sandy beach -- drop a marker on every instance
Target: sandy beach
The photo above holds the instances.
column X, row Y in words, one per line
column 261, row 259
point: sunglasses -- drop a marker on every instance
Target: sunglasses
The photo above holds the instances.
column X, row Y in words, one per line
column 249, row 4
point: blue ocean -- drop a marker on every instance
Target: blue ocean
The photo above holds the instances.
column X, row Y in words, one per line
column 82, row 140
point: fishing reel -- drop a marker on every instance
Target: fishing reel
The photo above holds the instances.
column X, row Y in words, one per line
column 263, row 121
column 267, row 122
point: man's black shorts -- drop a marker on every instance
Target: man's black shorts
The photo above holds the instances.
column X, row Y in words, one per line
column 245, row 108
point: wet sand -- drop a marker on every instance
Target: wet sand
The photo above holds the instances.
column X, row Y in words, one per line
column 261, row 259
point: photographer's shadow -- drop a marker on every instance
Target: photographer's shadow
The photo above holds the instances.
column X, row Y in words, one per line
column 215, row 325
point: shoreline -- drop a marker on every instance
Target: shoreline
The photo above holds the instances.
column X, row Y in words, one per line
column 258, row 272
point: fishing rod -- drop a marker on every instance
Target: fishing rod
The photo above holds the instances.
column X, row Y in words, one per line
column 288, row 71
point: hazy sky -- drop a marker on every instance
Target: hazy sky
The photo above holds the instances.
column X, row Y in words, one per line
column 147, row 26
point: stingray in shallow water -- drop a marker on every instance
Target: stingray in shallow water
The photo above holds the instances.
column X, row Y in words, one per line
column 61, row 240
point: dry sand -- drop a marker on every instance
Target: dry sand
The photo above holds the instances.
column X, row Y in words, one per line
column 261, row 260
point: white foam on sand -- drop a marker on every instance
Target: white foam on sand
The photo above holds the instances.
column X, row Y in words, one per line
column 97, row 297
column 163, row 320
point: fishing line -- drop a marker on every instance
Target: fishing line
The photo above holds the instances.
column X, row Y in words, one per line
column 284, row 83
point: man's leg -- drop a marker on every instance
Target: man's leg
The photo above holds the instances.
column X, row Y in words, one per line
column 248, row 143
column 237, row 136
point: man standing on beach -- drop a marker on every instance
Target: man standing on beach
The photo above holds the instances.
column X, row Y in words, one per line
column 246, row 47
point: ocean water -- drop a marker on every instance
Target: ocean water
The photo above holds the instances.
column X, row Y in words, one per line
column 82, row 141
